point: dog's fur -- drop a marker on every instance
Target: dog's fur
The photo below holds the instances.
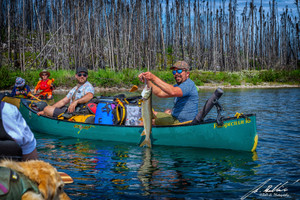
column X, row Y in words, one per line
column 47, row 178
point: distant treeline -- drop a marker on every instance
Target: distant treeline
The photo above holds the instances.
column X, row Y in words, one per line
column 153, row 34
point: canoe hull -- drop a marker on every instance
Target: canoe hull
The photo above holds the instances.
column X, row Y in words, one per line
column 235, row 134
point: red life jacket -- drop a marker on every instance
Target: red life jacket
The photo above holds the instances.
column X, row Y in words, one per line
column 45, row 86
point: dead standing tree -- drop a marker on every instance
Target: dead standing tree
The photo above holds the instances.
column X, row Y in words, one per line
column 162, row 46
column 137, row 34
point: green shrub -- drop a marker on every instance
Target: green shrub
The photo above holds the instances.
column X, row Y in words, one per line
column 268, row 76
column 234, row 80
column 221, row 76
column 166, row 76
column 294, row 76
column 255, row 80
column 8, row 81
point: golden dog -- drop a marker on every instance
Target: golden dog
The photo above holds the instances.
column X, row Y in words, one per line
column 47, row 178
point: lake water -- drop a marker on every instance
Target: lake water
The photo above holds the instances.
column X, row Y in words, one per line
column 110, row 170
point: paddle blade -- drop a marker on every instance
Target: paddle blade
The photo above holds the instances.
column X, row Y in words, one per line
column 34, row 97
column 65, row 177
column 133, row 89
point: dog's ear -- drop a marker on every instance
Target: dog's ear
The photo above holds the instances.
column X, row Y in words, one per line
column 46, row 188
column 51, row 183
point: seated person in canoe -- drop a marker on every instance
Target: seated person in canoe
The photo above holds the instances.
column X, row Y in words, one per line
column 16, row 139
column 81, row 93
column 45, row 86
column 185, row 93
column 20, row 89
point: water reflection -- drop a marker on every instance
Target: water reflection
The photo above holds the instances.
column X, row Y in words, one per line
column 187, row 170
column 108, row 169
column 146, row 170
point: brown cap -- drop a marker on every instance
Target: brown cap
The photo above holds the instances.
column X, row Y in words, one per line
column 44, row 71
column 181, row 65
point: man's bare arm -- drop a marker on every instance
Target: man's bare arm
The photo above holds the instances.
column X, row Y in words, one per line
column 161, row 88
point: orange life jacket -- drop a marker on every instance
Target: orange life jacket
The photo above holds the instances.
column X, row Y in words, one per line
column 45, row 86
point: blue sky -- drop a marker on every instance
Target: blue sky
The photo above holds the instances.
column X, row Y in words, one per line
column 241, row 4
column 280, row 3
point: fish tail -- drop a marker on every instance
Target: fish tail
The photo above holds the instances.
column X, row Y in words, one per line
column 146, row 142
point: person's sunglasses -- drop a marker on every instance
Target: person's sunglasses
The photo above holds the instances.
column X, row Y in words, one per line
column 44, row 74
column 82, row 74
column 179, row 71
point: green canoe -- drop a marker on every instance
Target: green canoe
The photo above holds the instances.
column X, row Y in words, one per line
column 236, row 133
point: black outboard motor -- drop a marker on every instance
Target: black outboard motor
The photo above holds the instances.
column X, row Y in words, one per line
column 210, row 103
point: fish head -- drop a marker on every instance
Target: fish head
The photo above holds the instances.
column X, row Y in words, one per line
column 146, row 93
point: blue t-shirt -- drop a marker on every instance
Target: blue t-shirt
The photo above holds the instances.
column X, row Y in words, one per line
column 186, row 107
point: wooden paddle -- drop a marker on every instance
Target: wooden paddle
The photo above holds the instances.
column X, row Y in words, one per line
column 34, row 97
column 133, row 89
column 65, row 177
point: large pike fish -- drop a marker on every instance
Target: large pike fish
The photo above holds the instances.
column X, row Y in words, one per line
column 147, row 115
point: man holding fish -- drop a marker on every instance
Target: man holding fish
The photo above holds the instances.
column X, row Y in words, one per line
column 185, row 93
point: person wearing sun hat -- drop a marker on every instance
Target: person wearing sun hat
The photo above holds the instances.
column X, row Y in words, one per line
column 82, row 93
column 185, row 92
column 45, row 86
column 20, row 89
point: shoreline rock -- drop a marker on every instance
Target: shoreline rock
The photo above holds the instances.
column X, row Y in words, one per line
column 248, row 86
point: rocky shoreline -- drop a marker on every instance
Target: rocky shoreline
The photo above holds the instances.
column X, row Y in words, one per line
column 63, row 90
column 206, row 86
column 248, row 86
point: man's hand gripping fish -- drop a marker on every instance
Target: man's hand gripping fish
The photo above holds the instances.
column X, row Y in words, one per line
column 147, row 115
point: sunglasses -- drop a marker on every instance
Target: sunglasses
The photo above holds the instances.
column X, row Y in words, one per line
column 82, row 74
column 44, row 74
column 179, row 71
